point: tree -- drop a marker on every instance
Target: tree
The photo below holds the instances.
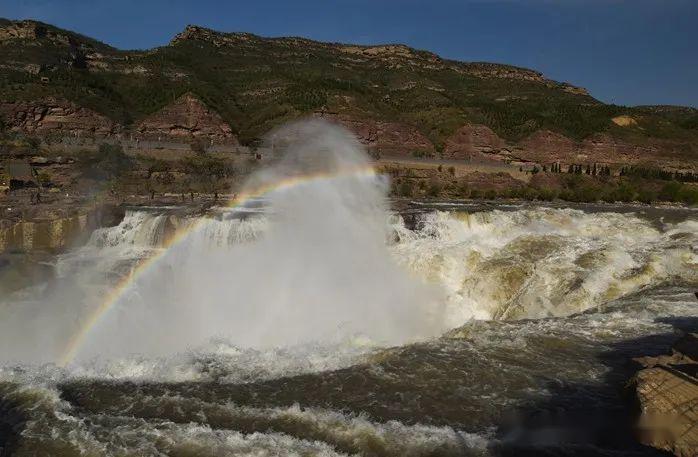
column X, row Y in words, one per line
column 108, row 162
column 670, row 191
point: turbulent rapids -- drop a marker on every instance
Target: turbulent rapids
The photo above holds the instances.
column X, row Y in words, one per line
column 315, row 320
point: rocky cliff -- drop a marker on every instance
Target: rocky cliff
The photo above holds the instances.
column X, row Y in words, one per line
column 51, row 116
column 386, row 138
column 52, row 229
column 184, row 120
column 478, row 142
column 473, row 142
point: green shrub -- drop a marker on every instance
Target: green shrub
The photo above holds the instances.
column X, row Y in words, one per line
column 434, row 188
column 689, row 195
column 670, row 191
column 108, row 162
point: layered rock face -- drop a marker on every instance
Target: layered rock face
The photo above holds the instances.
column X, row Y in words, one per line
column 54, row 230
column 473, row 142
column 27, row 243
column 49, row 235
column 544, row 146
column 389, row 138
column 51, row 116
column 667, row 391
column 184, row 120
column 547, row 147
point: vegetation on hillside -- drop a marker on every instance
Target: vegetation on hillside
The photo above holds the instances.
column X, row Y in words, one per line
column 573, row 187
column 257, row 83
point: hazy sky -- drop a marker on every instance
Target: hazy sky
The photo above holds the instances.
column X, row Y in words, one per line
column 624, row 51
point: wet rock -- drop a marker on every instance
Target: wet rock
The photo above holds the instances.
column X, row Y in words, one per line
column 54, row 230
column 667, row 391
column 688, row 347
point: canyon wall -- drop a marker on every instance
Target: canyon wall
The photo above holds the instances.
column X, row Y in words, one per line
column 50, row 116
column 188, row 119
column 183, row 121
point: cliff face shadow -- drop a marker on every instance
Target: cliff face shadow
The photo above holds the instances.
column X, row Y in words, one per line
column 580, row 419
column 12, row 420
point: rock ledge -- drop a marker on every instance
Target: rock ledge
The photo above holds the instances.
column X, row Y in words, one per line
column 667, row 390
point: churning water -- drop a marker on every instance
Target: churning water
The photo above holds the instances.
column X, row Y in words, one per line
column 315, row 321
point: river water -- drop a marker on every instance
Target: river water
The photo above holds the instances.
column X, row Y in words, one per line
column 520, row 334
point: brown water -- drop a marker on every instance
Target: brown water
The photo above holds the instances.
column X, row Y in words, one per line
column 536, row 362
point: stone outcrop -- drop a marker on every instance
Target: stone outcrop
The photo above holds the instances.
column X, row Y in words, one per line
column 54, row 229
column 387, row 138
column 31, row 30
column 197, row 33
column 624, row 121
column 473, row 142
column 387, row 51
column 29, row 236
column 494, row 70
column 602, row 148
column 186, row 119
column 667, row 391
column 50, row 116
column 183, row 121
column 545, row 146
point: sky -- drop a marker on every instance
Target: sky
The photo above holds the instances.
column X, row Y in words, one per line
column 629, row 52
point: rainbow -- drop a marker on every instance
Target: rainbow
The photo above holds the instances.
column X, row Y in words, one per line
column 78, row 339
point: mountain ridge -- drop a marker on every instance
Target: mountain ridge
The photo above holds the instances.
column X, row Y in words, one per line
column 388, row 91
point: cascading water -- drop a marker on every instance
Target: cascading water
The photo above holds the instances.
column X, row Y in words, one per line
column 320, row 273
column 315, row 322
column 543, row 262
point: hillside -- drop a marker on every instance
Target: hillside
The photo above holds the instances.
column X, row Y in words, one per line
column 397, row 99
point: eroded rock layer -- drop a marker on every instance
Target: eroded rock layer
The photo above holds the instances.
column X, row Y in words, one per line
column 186, row 119
column 50, row 116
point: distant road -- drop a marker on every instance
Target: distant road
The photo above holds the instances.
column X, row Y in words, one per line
column 70, row 144
column 173, row 150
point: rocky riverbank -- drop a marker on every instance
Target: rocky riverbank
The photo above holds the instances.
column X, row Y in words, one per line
column 31, row 234
column 667, row 392
column 52, row 227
